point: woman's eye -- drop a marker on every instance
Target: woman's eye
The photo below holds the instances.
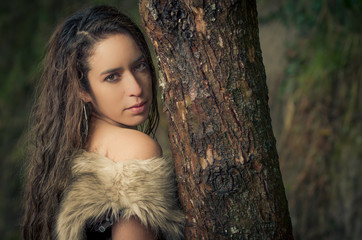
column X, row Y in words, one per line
column 112, row 77
column 140, row 67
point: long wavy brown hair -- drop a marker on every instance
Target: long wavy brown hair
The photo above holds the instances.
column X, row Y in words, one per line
column 56, row 128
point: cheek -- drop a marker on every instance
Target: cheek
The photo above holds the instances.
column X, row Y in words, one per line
column 149, row 86
column 105, row 97
column 150, row 90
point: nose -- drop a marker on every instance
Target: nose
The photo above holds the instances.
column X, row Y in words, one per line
column 133, row 86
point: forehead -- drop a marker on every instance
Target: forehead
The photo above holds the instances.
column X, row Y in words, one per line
column 121, row 48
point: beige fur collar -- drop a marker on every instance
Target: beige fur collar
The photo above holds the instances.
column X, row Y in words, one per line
column 142, row 188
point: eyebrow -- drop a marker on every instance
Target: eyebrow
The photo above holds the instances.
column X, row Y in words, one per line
column 120, row 68
column 111, row 70
column 139, row 59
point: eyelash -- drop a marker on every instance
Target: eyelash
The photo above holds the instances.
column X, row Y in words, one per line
column 112, row 77
column 141, row 66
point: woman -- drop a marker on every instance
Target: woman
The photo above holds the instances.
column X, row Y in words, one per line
column 92, row 174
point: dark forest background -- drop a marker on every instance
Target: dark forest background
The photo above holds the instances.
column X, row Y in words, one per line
column 312, row 53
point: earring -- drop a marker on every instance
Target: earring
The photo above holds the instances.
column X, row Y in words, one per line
column 85, row 123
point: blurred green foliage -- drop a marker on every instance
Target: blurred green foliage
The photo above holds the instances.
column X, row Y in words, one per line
column 320, row 142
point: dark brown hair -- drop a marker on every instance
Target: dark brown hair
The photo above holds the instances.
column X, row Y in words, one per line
column 56, row 120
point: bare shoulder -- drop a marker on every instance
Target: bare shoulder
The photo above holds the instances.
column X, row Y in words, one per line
column 127, row 144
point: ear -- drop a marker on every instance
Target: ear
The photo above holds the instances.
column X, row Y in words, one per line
column 85, row 96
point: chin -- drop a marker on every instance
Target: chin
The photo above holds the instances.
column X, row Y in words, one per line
column 136, row 122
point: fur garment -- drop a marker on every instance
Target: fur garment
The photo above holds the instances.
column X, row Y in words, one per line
column 100, row 186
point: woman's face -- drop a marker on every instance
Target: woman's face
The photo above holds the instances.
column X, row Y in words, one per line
column 120, row 80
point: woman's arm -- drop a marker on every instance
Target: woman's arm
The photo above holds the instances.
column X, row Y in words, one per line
column 131, row 144
column 123, row 188
column 131, row 229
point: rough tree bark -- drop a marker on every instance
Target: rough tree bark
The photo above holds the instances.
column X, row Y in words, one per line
column 215, row 95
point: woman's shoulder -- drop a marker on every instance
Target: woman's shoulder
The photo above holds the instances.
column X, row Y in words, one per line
column 120, row 144
column 132, row 144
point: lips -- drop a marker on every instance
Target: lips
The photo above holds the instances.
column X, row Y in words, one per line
column 138, row 108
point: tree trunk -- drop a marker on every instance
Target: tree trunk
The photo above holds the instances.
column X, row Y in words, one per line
column 215, row 95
